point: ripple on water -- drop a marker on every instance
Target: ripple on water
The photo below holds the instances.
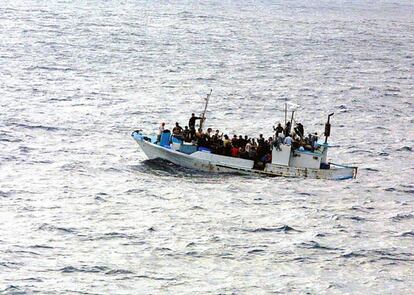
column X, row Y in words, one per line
column 409, row 234
column 283, row 228
column 94, row 269
column 315, row 245
column 52, row 228
column 402, row 216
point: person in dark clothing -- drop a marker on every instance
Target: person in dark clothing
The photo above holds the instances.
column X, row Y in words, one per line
column 241, row 142
column 261, row 149
column 186, row 134
column 209, row 133
column 227, row 146
column 235, row 141
column 177, row 130
column 243, row 153
column 278, row 129
column 191, row 123
column 266, row 148
column 287, row 129
column 216, row 136
column 202, row 141
column 299, row 130
column 216, row 143
column 253, row 154
column 261, row 140
column 270, row 143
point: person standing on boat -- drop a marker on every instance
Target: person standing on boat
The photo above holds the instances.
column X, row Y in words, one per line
column 209, row 133
column 260, row 140
column 160, row 131
column 177, row 130
column 248, row 146
column 235, row 141
column 254, row 143
column 226, row 145
column 288, row 140
column 191, row 123
column 278, row 141
column 216, row 143
column 287, row 128
column 270, row 143
column 300, row 130
column 278, row 129
column 216, row 136
column 186, row 134
column 241, row 142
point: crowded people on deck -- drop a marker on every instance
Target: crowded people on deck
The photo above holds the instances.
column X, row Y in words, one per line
column 257, row 149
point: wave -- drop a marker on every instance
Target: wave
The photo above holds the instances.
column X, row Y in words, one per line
column 405, row 149
column 10, row 265
column 315, row 245
column 407, row 234
column 11, row 289
column 48, row 227
column 42, row 127
column 115, row 235
column 94, row 269
column 402, row 216
column 284, row 229
column 378, row 255
column 254, row 251
column 4, row 194
column 370, row 169
column 41, row 247
column 50, row 68
column 10, row 140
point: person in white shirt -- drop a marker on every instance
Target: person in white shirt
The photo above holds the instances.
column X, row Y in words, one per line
column 248, row 147
column 288, row 140
column 160, row 131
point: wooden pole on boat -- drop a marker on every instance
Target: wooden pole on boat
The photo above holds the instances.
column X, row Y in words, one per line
column 203, row 116
column 285, row 112
column 328, row 128
column 291, row 121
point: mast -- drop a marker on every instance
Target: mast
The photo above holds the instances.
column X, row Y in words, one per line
column 285, row 111
column 291, row 122
column 203, row 115
column 328, row 128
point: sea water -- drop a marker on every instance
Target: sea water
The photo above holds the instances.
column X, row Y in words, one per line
column 82, row 212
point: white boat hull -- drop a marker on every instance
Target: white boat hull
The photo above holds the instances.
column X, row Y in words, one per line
column 216, row 163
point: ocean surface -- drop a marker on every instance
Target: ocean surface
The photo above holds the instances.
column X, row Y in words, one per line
column 82, row 212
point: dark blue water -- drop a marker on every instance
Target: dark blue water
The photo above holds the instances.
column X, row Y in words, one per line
column 81, row 213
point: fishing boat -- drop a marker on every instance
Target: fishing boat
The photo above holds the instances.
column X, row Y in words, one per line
column 286, row 161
